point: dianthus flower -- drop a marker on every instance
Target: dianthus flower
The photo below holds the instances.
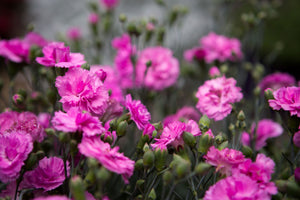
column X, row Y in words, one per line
column 83, row 89
column 214, row 72
column 54, row 197
column 74, row 33
column 221, row 48
column 237, row 187
column 195, row 53
column 57, row 55
column 162, row 72
column 225, row 160
column 48, row 175
column 138, row 112
column 75, row 120
column 14, row 150
column 296, row 139
column 266, row 129
column 93, row 18
column 109, row 4
column 287, row 98
column 184, row 114
column 17, row 50
column 111, row 159
column 276, row 81
column 26, row 122
column 172, row 134
column 123, row 61
column 216, row 96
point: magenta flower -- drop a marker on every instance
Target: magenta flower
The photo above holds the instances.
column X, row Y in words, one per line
column 14, row 150
column 238, row 187
column 25, row 122
column 36, row 39
column 74, row 33
column 57, row 55
column 111, row 159
column 162, row 72
column 172, row 134
column 225, row 160
column 184, row 114
column 75, row 120
column 297, row 174
column 214, row 72
column 216, row 96
column 109, row 4
column 276, row 81
column 221, row 48
column 266, row 129
column 93, row 18
column 148, row 130
column 83, row 89
column 48, row 175
column 54, row 197
column 138, row 112
column 296, row 139
column 123, row 61
column 44, row 119
column 195, row 53
column 288, row 99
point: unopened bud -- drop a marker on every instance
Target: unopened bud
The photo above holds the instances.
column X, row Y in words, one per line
column 167, row 177
column 133, row 29
column 247, row 151
column 204, row 143
column 257, row 91
column 77, row 188
column 85, row 66
column 31, row 161
column 223, row 145
column 189, row 139
column 64, row 137
column 140, row 184
column 241, row 116
column 92, row 163
column 40, row 154
column 122, row 128
column 158, row 126
column 148, row 159
column 152, row 194
column 160, row 159
column 204, row 123
column 202, row 168
column 90, row 178
column 73, row 147
column 102, row 174
column 122, row 18
column 224, row 69
column 139, row 165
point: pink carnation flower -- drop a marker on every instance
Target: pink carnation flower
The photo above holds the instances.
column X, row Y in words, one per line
column 123, row 61
column 44, row 119
column 26, row 122
column 297, row 174
column 109, row 4
column 216, row 96
column 276, row 81
column 74, row 120
column 54, row 197
column 221, row 48
column 111, row 159
column 195, row 53
column 184, row 114
column 93, row 18
column 74, row 33
column 57, row 55
column 266, row 129
column 48, row 175
column 238, row 187
column 287, row 98
column 83, row 89
column 163, row 71
column 214, row 72
column 172, row 134
column 225, row 160
column 14, row 150
column 138, row 112
column 296, row 139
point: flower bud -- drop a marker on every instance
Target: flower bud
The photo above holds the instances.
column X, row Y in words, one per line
column 139, row 165
column 241, row 116
column 202, row 168
column 92, row 163
column 90, row 178
column 102, row 174
column 269, row 94
column 64, row 137
column 296, row 139
column 160, row 35
column 31, row 161
column 148, row 159
column 133, row 29
column 219, row 139
column 140, row 184
column 204, row 123
column 77, row 188
column 40, row 154
column 122, row 128
column 73, row 147
column 122, row 18
column 189, row 139
column 297, row 175
column 160, row 159
column 167, row 177
column 205, row 142
column 257, row 91
column 223, row 145
column 18, row 100
column 85, row 66
column 152, row 194
column 247, row 151
column 224, row 69
column 158, row 126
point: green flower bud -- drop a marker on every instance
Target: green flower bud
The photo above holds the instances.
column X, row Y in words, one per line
column 160, row 159
column 92, row 163
column 189, row 139
column 31, row 161
column 204, row 123
column 140, row 184
column 77, row 188
column 152, row 194
column 90, row 178
column 102, row 174
column 202, row 168
column 148, row 63
column 122, row 18
column 205, row 142
column 122, row 128
column 132, row 29
column 40, row 154
column 73, row 147
column 160, row 35
column 257, row 91
column 154, row 134
column 247, row 151
column 223, row 145
column 219, row 139
column 85, row 66
column 269, row 94
column 158, row 126
column 139, row 197
column 64, row 137
column 146, row 147
column 167, row 177
column 108, row 139
column 281, row 185
column 224, row 69
column 182, row 169
column 148, row 159
column 139, row 165
column 241, row 116
column 113, row 124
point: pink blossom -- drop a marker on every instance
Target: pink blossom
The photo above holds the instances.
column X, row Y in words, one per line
column 276, row 81
column 162, row 72
column 221, row 48
column 184, row 114
column 123, row 61
column 214, row 72
column 296, row 139
column 297, row 174
column 54, row 197
column 225, row 160
column 216, row 96
column 266, row 129
column 83, row 89
column 238, row 187
column 288, row 99
column 74, row 120
column 26, row 122
column 36, row 39
column 150, row 26
column 93, row 18
column 44, row 119
column 148, row 130
column 74, row 33
column 14, row 150
column 48, row 175
column 109, row 4
column 111, row 159
column 138, row 112
column 172, row 134
column 195, row 53
column 57, row 55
